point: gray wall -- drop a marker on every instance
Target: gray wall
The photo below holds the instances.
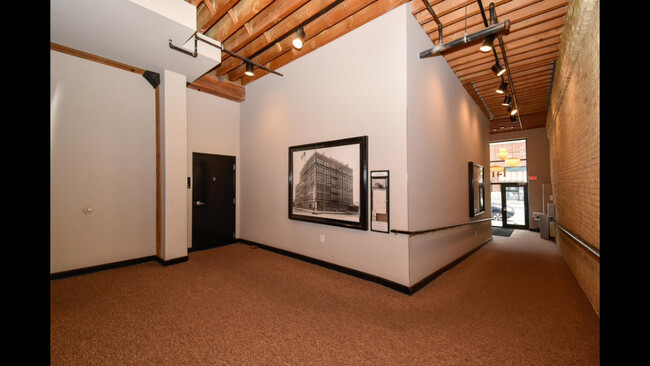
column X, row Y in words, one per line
column 446, row 130
column 102, row 156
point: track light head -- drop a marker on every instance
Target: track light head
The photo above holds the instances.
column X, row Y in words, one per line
column 513, row 111
column 497, row 69
column 300, row 37
column 513, row 119
column 502, row 88
column 488, row 43
column 506, row 100
column 249, row 69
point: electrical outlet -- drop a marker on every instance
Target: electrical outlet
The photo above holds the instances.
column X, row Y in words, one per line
column 322, row 238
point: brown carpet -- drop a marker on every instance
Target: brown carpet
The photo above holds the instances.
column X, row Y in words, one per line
column 513, row 302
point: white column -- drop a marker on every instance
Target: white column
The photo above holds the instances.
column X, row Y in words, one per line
column 173, row 109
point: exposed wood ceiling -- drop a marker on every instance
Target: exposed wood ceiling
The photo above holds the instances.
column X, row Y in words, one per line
column 255, row 29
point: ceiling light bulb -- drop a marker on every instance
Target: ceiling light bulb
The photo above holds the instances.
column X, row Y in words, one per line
column 249, row 69
column 300, row 37
column 487, row 43
column 513, row 111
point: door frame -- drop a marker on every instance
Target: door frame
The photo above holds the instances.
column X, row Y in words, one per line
column 504, row 218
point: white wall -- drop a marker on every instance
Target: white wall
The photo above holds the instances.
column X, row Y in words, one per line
column 102, row 125
column 446, row 130
column 351, row 87
column 213, row 128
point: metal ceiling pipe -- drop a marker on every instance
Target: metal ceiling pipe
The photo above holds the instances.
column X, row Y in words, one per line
column 246, row 59
column 503, row 27
column 435, row 18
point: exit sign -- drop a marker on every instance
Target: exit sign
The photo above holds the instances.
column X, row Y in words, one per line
column 532, row 177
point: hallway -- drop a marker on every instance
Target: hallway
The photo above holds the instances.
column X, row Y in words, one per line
column 512, row 302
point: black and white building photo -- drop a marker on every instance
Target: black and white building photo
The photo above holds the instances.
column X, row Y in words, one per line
column 325, row 186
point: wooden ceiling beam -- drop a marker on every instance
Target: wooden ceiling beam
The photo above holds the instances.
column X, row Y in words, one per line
column 333, row 31
column 221, row 88
column 460, row 18
column 533, row 34
column 528, row 15
column 524, row 63
column 206, row 19
column 239, row 14
column 262, row 22
column 273, row 33
column 341, row 12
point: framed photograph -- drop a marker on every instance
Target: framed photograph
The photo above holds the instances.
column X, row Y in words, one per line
column 328, row 182
column 379, row 201
column 476, row 189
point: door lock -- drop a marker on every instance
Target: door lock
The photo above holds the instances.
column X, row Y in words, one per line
column 199, row 203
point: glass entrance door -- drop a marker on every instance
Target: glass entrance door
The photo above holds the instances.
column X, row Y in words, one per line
column 517, row 203
column 510, row 205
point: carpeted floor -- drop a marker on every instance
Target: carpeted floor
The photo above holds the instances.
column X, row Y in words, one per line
column 513, row 302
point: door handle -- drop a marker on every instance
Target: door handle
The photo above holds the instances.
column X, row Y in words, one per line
column 199, row 203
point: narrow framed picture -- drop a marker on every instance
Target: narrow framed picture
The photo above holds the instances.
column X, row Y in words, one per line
column 476, row 189
column 380, row 201
column 328, row 182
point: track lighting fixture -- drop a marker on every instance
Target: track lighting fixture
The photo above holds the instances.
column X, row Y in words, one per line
column 513, row 119
column 506, row 100
column 497, row 69
column 513, row 111
column 300, row 37
column 502, row 88
column 488, row 43
column 249, row 69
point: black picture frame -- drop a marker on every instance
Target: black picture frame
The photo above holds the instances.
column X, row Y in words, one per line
column 380, row 201
column 476, row 189
column 328, row 182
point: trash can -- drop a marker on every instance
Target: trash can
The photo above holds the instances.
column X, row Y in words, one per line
column 535, row 224
column 544, row 227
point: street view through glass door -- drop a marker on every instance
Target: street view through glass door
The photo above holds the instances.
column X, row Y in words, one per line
column 509, row 184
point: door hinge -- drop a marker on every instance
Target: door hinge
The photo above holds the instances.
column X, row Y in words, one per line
column 233, row 201
column 233, row 167
column 233, row 235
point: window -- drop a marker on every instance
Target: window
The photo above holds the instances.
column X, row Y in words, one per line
column 502, row 168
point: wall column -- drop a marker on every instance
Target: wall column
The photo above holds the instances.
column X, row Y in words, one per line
column 172, row 175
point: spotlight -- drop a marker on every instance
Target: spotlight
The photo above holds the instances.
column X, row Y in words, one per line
column 249, row 69
column 513, row 119
column 300, row 37
column 497, row 69
column 488, row 43
column 513, row 111
column 502, row 88
column 506, row 100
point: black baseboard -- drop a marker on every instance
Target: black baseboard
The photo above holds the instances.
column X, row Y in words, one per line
column 349, row 271
column 408, row 290
column 171, row 261
column 425, row 281
column 103, row 267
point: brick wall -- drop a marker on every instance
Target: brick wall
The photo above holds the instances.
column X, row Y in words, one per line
column 573, row 130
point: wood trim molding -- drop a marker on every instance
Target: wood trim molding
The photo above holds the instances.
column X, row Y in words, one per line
column 159, row 202
column 91, row 57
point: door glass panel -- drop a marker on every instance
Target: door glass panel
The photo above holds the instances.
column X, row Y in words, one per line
column 495, row 201
column 515, row 206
